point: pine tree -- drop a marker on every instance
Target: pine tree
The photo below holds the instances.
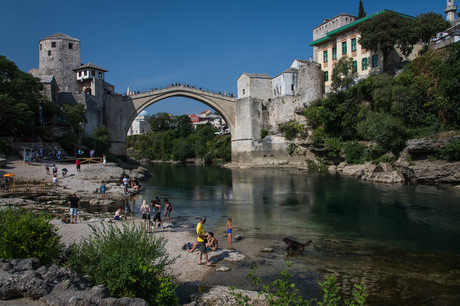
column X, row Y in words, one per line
column 361, row 12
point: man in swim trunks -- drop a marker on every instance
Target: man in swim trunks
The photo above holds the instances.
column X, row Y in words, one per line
column 201, row 239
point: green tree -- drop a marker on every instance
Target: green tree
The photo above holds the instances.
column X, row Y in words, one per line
column 385, row 31
column 161, row 121
column 74, row 116
column 361, row 12
column 343, row 74
column 388, row 131
column 447, row 94
column 20, row 99
column 183, row 126
column 100, row 142
column 427, row 25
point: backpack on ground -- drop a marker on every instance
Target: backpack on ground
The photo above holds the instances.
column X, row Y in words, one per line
column 65, row 220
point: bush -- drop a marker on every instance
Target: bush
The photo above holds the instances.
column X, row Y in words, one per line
column 354, row 152
column 263, row 133
column 291, row 129
column 4, row 149
column 291, row 148
column 318, row 137
column 283, row 292
column 128, row 261
column 100, row 141
column 333, row 145
column 388, row 131
column 451, row 151
column 25, row 235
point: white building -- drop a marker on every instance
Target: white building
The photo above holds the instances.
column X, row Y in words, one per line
column 141, row 124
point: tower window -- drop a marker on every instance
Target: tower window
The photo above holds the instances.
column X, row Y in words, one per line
column 93, row 73
column 49, row 53
column 244, row 91
column 100, row 74
column 292, row 87
column 40, row 47
column 70, row 45
column 79, row 73
column 53, row 44
column 325, row 56
column 326, row 76
column 334, row 53
column 355, row 66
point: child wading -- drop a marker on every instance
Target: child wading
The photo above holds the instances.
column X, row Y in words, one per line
column 229, row 231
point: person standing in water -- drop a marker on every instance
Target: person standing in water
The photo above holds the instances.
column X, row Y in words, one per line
column 229, row 231
column 145, row 211
column 168, row 209
column 156, row 204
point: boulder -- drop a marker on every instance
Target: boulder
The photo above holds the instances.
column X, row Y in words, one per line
column 439, row 171
column 383, row 172
column 220, row 295
column 267, row 250
column 223, row 269
column 53, row 285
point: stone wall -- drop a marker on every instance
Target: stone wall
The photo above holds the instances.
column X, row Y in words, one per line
column 254, row 114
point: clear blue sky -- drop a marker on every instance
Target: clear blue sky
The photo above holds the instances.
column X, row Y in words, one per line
column 204, row 43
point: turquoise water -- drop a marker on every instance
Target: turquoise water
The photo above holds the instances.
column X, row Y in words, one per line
column 403, row 241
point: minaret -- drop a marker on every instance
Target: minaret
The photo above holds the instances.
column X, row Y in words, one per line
column 450, row 10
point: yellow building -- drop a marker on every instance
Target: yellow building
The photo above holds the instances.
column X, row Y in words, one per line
column 339, row 37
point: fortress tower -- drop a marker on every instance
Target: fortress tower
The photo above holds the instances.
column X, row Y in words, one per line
column 59, row 54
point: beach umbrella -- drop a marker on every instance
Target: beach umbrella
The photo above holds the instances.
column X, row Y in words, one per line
column 8, row 175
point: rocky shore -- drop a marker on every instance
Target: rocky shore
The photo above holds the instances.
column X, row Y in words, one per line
column 26, row 282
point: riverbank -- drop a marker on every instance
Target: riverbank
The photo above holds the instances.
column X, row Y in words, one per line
column 185, row 269
column 32, row 178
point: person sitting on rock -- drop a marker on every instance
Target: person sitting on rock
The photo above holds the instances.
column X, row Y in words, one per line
column 119, row 214
column 211, row 242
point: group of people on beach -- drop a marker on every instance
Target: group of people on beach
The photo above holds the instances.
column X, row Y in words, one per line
column 63, row 171
column 155, row 206
column 206, row 242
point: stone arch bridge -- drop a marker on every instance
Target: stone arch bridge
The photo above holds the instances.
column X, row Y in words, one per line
column 120, row 111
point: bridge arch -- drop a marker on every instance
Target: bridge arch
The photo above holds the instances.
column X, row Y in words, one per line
column 223, row 105
column 121, row 111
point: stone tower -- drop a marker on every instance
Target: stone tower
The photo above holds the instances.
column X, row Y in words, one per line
column 59, row 54
column 450, row 10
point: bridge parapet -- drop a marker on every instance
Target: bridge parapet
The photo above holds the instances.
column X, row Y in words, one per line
column 181, row 86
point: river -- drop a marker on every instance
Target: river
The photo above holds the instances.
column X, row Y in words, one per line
column 402, row 241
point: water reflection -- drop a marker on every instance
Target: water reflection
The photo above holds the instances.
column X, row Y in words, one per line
column 390, row 236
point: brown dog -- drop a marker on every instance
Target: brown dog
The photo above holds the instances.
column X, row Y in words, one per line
column 296, row 246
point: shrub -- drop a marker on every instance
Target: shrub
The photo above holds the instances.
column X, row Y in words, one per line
column 283, row 292
column 318, row 137
column 333, row 145
column 100, row 141
column 388, row 131
column 3, row 147
column 263, row 133
column 25, row 235
column 128, row 261
column 291, row 129
column 450, row 151
column 354, row 152
column 291, row 148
